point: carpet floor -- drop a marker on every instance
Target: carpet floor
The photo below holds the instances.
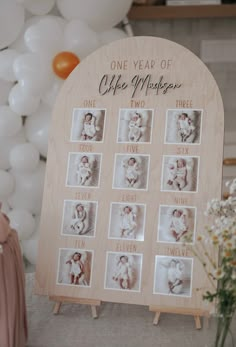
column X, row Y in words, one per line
column 118, row 325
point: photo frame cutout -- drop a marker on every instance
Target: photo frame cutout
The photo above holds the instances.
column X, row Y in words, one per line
column 127, row 221
column 183, row 126
column 135, row 125
column 75, row 270
column 83, row 169
column 79, row 218
column 174, row 227
column 176, row 276
column 131, row 172
column 123, row 275
column 88, row 125
column 180, row 173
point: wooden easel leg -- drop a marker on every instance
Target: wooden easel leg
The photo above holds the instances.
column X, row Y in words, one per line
column 156, row 318
column 62, row 299
column 197, row 322
column 94, row 311
column 57, row 307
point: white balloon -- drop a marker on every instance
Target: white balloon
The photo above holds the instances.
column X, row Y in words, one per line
column 101, row 15
column 22, row 102
column 34, row 72
column 80, row 39
column 19, row 44
column 7, row 183
column 111, row 35
column 7, row 57
column 10, row 122
column 60, row 20
column 39, row 7
column 37, row 127
column 24, row 157
column 5, row 208
column 11, row 21
column 28, row 191
column 5, row 88
column 23, row 222
column 30, row 249
column 49, row 97
column 6, row 144
column 44, row 36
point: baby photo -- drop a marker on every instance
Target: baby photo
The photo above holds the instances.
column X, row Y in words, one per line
column 79, row 218
column 74, row 267
column 88, row 125
column 123, row 271
column 180, row 173
column 135, row 125
column 183, row 126
column 176, row 224
column 131, row 171
column 127, row 221
column 83, row 169
column 173, row 276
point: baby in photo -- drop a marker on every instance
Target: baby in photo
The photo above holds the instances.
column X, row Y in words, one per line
column 123, row 271
column 180, row 173
column 83, row 169
column 127, row 221
column 177, row 172
column 88, row 125
column 135, row 125
column 183, row 126
column 176, row 224
column 74, row 267
column 79, row 218
column 131, row 172
column 173, row 276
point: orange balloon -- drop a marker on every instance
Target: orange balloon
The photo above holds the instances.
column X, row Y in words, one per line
column 64, row 63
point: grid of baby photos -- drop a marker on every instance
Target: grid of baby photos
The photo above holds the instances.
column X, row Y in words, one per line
column 176, row 225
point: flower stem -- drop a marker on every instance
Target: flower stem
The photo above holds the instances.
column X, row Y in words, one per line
column 223, row 326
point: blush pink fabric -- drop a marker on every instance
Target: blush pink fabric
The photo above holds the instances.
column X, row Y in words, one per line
column 13, row 324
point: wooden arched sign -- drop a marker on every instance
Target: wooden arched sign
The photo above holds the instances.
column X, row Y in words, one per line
column 135, row 153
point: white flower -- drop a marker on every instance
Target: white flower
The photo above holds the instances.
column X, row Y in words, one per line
column 227, row 253
column 218, row 274
column 230, row 244
column 232, row 186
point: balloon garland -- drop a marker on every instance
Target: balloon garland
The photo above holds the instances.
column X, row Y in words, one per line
column 41, row 42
